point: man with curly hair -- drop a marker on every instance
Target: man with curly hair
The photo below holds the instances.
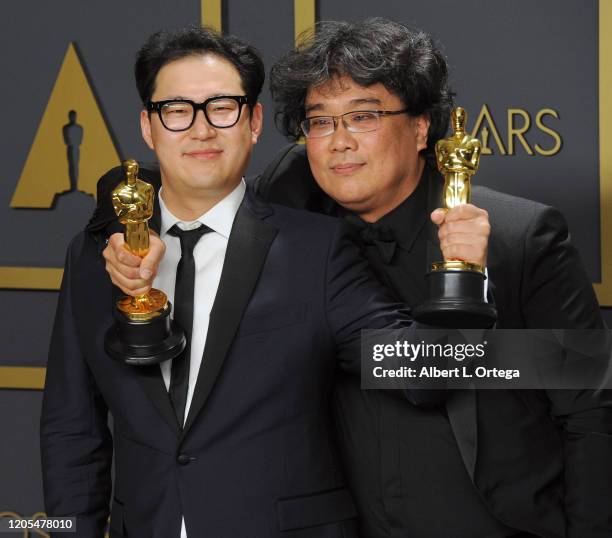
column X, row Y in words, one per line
column 372, row 99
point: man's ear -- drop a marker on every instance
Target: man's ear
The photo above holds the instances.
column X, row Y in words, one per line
column 145, row 128
column 421, row 124
column 256, row 122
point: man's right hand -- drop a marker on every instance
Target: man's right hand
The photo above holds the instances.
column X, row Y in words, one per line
column 131, row 274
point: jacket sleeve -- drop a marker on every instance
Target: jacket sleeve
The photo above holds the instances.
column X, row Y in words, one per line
column 76, row 445
column 557, row 293
column 355, row 300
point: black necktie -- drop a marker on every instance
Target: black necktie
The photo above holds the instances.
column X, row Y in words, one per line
column 183, row 314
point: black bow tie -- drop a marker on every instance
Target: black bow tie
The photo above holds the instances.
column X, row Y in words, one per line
column 378, row 235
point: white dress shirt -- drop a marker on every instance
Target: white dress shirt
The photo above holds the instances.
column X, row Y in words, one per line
column 209, row 254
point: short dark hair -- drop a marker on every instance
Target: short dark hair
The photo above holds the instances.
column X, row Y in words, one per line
column 167, row 46
column 405, row 60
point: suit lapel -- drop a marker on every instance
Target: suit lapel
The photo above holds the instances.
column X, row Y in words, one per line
column 461, row 404
column 247, row 248
column 152, row 382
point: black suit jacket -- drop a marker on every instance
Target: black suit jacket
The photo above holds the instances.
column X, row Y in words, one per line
column 256, row 457
column 541, row 461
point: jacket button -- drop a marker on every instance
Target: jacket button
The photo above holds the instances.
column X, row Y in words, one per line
column 183, row 459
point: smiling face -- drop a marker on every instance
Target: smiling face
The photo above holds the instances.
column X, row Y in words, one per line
column 202, row 165
column 368, row 173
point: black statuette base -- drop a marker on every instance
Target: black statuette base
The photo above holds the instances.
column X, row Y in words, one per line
column 456, row 301
column 141, row 343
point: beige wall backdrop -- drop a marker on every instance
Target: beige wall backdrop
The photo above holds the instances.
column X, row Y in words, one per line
column 535, row 78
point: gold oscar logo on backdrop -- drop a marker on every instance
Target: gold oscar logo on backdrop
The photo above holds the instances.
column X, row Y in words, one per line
column 72, row 147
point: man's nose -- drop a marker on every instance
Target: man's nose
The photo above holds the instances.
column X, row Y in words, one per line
column 201, row 128
column 342, row 139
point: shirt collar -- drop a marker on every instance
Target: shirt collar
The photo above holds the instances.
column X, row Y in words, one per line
column 218, row 218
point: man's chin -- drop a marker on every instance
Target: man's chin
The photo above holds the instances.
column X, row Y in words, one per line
column 354, row 203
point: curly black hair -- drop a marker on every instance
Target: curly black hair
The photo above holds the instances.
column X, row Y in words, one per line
column 405, row 60
column 166, row 46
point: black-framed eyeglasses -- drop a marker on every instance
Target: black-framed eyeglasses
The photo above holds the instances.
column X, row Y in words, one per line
column 357, row 121
column 222, row 111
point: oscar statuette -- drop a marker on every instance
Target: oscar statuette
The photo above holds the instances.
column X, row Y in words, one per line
column 456, row 297
column 143, row 332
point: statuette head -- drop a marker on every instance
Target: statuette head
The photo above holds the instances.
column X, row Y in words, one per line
column 459, row 118
column 131, row 169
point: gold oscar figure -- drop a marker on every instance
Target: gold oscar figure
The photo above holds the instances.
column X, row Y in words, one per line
column 458, row 158
column 133, row 203
column 143, row 332
column 456, row 297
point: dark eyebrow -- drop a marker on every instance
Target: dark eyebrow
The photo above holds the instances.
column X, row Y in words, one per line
column 181, row 98
column 366, row 101
column 352, row 102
